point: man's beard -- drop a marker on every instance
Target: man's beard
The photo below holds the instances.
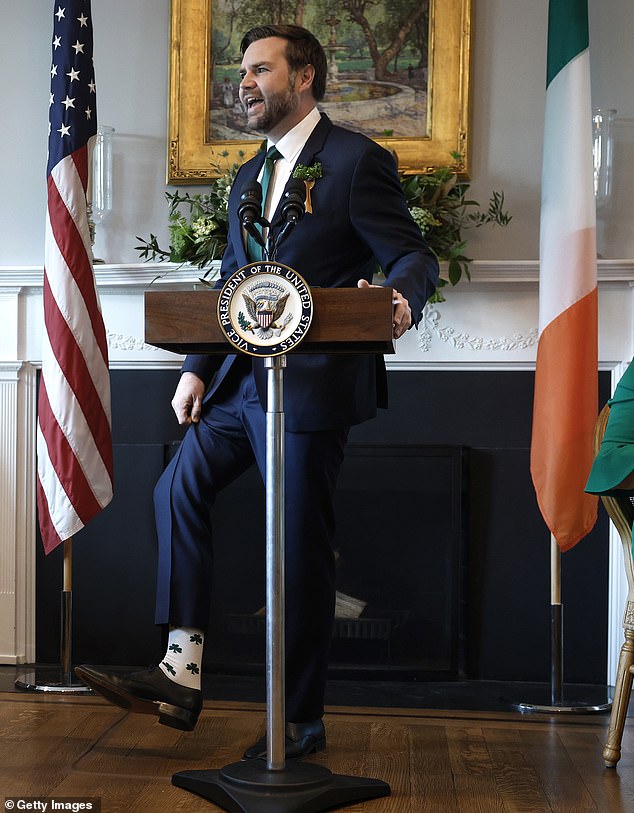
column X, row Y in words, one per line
column 277, row 107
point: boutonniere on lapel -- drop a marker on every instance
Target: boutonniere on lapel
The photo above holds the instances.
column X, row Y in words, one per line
column 309, row 175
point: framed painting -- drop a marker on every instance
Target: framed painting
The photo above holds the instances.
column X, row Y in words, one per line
column 398, row 72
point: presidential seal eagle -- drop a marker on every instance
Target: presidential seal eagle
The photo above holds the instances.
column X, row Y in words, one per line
column 265, row 311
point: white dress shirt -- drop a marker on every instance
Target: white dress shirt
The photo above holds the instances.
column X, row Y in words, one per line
column 290, row 146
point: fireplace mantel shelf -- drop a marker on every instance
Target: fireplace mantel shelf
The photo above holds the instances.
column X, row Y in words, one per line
column 132, row 275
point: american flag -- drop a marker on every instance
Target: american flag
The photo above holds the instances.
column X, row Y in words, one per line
column 74, row 441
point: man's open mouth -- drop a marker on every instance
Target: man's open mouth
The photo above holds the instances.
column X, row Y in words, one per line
column 252, row 102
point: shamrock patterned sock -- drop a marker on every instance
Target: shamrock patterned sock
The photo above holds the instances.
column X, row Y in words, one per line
column 183, row 660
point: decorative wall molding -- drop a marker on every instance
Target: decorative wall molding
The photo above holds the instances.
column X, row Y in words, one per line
column 430, row 327
column 125, row 342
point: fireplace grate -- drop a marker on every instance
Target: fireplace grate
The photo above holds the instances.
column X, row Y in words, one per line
column 359, row 629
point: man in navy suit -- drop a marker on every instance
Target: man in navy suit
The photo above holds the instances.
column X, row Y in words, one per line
column 358, row 218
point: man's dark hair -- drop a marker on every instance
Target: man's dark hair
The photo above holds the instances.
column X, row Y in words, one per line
column 302, row 48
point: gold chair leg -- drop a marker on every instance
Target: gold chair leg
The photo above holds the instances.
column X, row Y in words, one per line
column 622, row 691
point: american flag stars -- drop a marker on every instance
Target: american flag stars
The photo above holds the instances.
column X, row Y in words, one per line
column 72, row 118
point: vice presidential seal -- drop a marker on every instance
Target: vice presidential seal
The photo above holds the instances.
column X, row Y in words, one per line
column 265, row 309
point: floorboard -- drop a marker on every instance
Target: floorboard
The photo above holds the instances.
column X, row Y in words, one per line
column 435, row 761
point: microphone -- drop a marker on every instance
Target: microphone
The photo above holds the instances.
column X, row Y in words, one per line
column 250, row 206
column 292, row 209
column 250, row 210
column 294, row 201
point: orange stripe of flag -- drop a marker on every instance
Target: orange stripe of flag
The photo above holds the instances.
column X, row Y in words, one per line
column 564, row 414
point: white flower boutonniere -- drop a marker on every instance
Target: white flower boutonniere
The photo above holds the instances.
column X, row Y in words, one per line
column 309, row 175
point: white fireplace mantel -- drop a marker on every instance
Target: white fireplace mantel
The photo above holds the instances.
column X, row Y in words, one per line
column 489, row 323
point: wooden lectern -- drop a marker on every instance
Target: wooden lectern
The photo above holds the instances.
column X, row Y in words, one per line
column 344, row 320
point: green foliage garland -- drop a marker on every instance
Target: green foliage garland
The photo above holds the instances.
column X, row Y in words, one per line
column 437, row 200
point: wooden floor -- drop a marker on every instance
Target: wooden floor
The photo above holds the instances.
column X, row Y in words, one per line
column 434, row 761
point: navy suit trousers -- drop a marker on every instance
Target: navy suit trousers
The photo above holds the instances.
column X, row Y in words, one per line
column 230, row 437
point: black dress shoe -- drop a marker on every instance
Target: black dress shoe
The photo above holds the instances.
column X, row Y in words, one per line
column 301, row 740
column 147, row 692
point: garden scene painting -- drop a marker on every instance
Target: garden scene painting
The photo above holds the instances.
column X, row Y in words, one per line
column 378, row 62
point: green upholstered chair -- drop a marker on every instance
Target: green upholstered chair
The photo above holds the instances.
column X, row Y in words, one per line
column 620, row 509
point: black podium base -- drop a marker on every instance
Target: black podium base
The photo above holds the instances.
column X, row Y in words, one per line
column 250, row 787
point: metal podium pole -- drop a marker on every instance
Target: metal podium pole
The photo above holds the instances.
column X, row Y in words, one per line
column 275, row 786
column 275, row 538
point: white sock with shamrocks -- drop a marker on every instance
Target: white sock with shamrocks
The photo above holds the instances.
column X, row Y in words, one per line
column 184, row 657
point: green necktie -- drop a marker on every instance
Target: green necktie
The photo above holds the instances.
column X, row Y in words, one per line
column 253, row 249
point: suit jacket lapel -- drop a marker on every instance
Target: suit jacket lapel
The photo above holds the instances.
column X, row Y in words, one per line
column 316, row 141
column 310, row 151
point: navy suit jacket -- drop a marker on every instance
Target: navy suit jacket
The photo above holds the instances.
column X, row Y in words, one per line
column 359, row 218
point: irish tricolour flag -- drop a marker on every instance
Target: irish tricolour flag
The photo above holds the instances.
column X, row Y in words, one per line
column 565, row 408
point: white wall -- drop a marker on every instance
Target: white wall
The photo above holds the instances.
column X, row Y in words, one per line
column 612, row 58
column 131, row 57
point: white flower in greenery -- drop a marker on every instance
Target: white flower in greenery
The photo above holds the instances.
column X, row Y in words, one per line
column 204, row 226
column 223, row 191
column 423, row 218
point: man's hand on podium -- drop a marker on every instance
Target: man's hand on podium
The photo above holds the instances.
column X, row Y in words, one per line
column 402, row 318
column 188, row 398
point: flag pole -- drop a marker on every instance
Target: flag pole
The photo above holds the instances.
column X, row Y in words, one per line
column 558, row 704
column 59, row 681
column 556, row 625
column 66, row 633
column 75, row 379
column 566, row 368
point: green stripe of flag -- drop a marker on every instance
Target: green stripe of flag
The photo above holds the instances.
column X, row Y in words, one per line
column 567, row 33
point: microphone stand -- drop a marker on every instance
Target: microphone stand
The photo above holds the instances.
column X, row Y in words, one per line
column 293, row 210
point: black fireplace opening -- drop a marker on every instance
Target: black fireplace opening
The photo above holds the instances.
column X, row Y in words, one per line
column 400, row 549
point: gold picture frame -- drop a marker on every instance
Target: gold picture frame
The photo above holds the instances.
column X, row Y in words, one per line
column 194, row 158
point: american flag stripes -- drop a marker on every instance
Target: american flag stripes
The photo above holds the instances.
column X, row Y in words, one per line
column 74, row 442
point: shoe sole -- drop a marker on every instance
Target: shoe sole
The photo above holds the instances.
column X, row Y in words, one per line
column 315, row 748
column 168, row 714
